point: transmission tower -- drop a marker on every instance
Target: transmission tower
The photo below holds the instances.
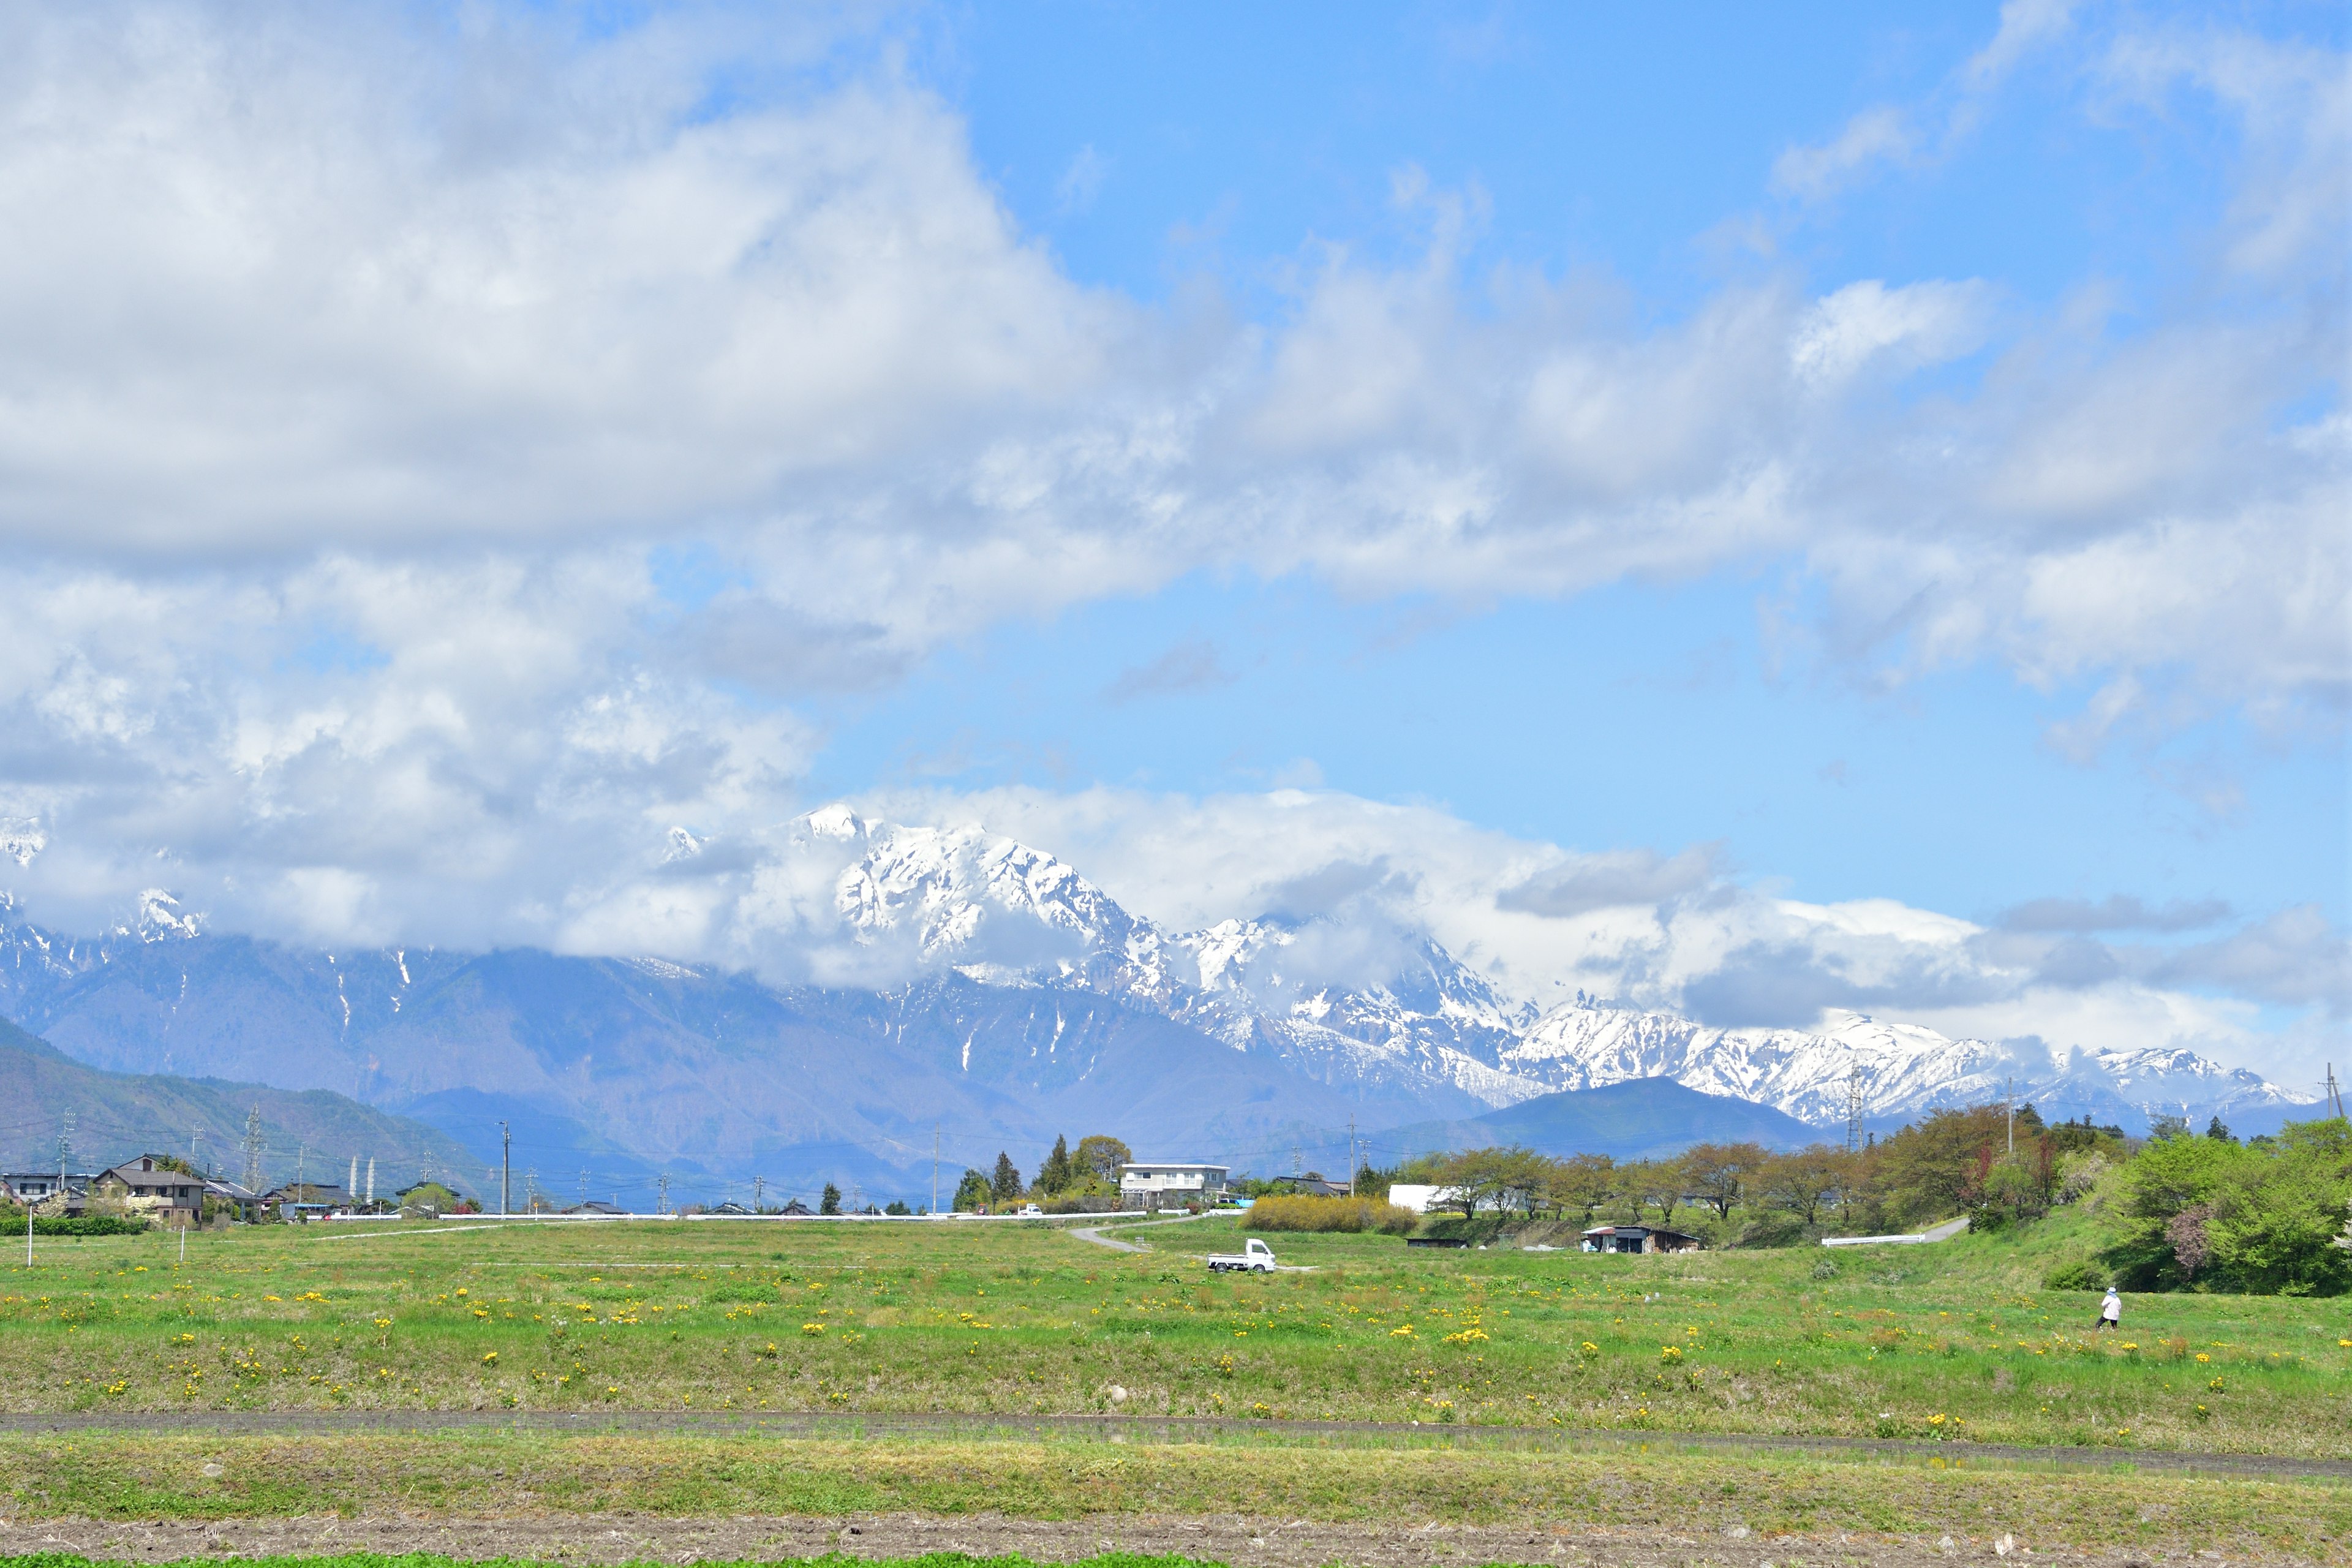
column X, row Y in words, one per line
column 65, row 1148
column 1853, row 1111
column 253, row 1150
column 2335, row 1093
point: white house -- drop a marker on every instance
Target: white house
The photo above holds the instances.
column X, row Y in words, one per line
column 1169, row 1183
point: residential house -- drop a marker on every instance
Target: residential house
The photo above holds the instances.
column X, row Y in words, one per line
column 1310, row 1186
column 33, row 1188
column 174, row 1196
column 306, row 1201
column 597, row 1206
column 1169, row 1183
column 234, row 1196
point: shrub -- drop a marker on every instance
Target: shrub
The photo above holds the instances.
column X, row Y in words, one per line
column 2079, row 1276
column 1331, row 1214
column 87, row 1225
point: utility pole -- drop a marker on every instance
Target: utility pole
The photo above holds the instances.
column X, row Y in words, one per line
column 759, row 1183
column 301, row 1163
column 1352, row 1153
column 64, row 1152
column 2008, row 1105
column 506, row 1170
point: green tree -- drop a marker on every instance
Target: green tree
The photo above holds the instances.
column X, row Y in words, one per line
column 1054, row 1175
column 972, row 1191
column 831, row 1202
column 2274, row 1222
column 1508, row 1178
column 1582, row 1185
column 1005, row 1185
column 1718, row 1173
column 1932, row 1169
column 1098, row 1157
column 1799, row 1183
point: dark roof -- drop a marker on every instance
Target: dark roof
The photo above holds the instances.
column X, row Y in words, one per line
column 1640, row 1230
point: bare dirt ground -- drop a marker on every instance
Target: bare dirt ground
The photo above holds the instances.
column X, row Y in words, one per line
column 1241, row 1541
column 1147, row 1429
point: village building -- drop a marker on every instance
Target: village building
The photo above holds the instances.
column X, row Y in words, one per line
column 1169, row 1183
column 222, row 1193
column 1310, row 1186
column 33, row 1188
column 305, row 1200
column 176, row 1197
column 1638, row 1238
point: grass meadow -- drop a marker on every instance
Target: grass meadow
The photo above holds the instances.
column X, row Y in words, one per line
column 1955, row 1342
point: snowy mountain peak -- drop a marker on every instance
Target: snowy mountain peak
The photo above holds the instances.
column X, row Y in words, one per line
column 835, row 822
column 158, row 919
column 21, row 839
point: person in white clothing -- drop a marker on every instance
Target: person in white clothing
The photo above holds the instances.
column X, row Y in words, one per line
column 2111, row 1310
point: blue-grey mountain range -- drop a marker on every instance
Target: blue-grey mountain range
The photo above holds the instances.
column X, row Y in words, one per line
column 614, row 1071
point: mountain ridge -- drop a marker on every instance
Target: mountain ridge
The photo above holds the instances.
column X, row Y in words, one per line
column 1027, row 1000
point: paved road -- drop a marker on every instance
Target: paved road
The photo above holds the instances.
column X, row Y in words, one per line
column 1094, row 1233
column 841, row 1426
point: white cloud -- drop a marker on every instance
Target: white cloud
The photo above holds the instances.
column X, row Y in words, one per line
column 350, row 374
column 1882, row 134
column 1920, row 324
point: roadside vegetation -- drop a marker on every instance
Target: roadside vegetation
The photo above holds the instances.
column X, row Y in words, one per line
column 1956, row 1342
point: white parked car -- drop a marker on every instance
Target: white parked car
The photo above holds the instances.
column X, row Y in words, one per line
column 1031, row 1211
column 1256, row 1257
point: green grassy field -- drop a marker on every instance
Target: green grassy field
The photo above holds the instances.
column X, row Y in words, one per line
column 1954, row 1342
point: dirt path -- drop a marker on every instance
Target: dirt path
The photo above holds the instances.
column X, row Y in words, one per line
column 1239, row 1541
column 1155, row 1430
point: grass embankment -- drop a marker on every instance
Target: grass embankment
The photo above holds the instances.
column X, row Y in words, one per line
column 1953, row 1341
column 166, row 1477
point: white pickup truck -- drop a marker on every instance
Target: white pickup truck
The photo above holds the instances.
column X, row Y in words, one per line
column 1256, row 1257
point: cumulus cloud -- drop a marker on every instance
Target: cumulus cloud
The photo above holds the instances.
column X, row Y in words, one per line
column 353, row 374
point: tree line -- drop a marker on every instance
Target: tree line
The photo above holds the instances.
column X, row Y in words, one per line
column 2175, row 1209
column 1068, row 1176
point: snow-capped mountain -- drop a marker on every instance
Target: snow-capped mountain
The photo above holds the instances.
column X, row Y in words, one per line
column 1027, row 1002
column 1339, row 1004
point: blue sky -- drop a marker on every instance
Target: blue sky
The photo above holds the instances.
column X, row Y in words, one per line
column 1837, row 476
column 1148, row 150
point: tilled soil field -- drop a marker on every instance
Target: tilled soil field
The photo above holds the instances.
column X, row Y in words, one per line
column 1236, row 1540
